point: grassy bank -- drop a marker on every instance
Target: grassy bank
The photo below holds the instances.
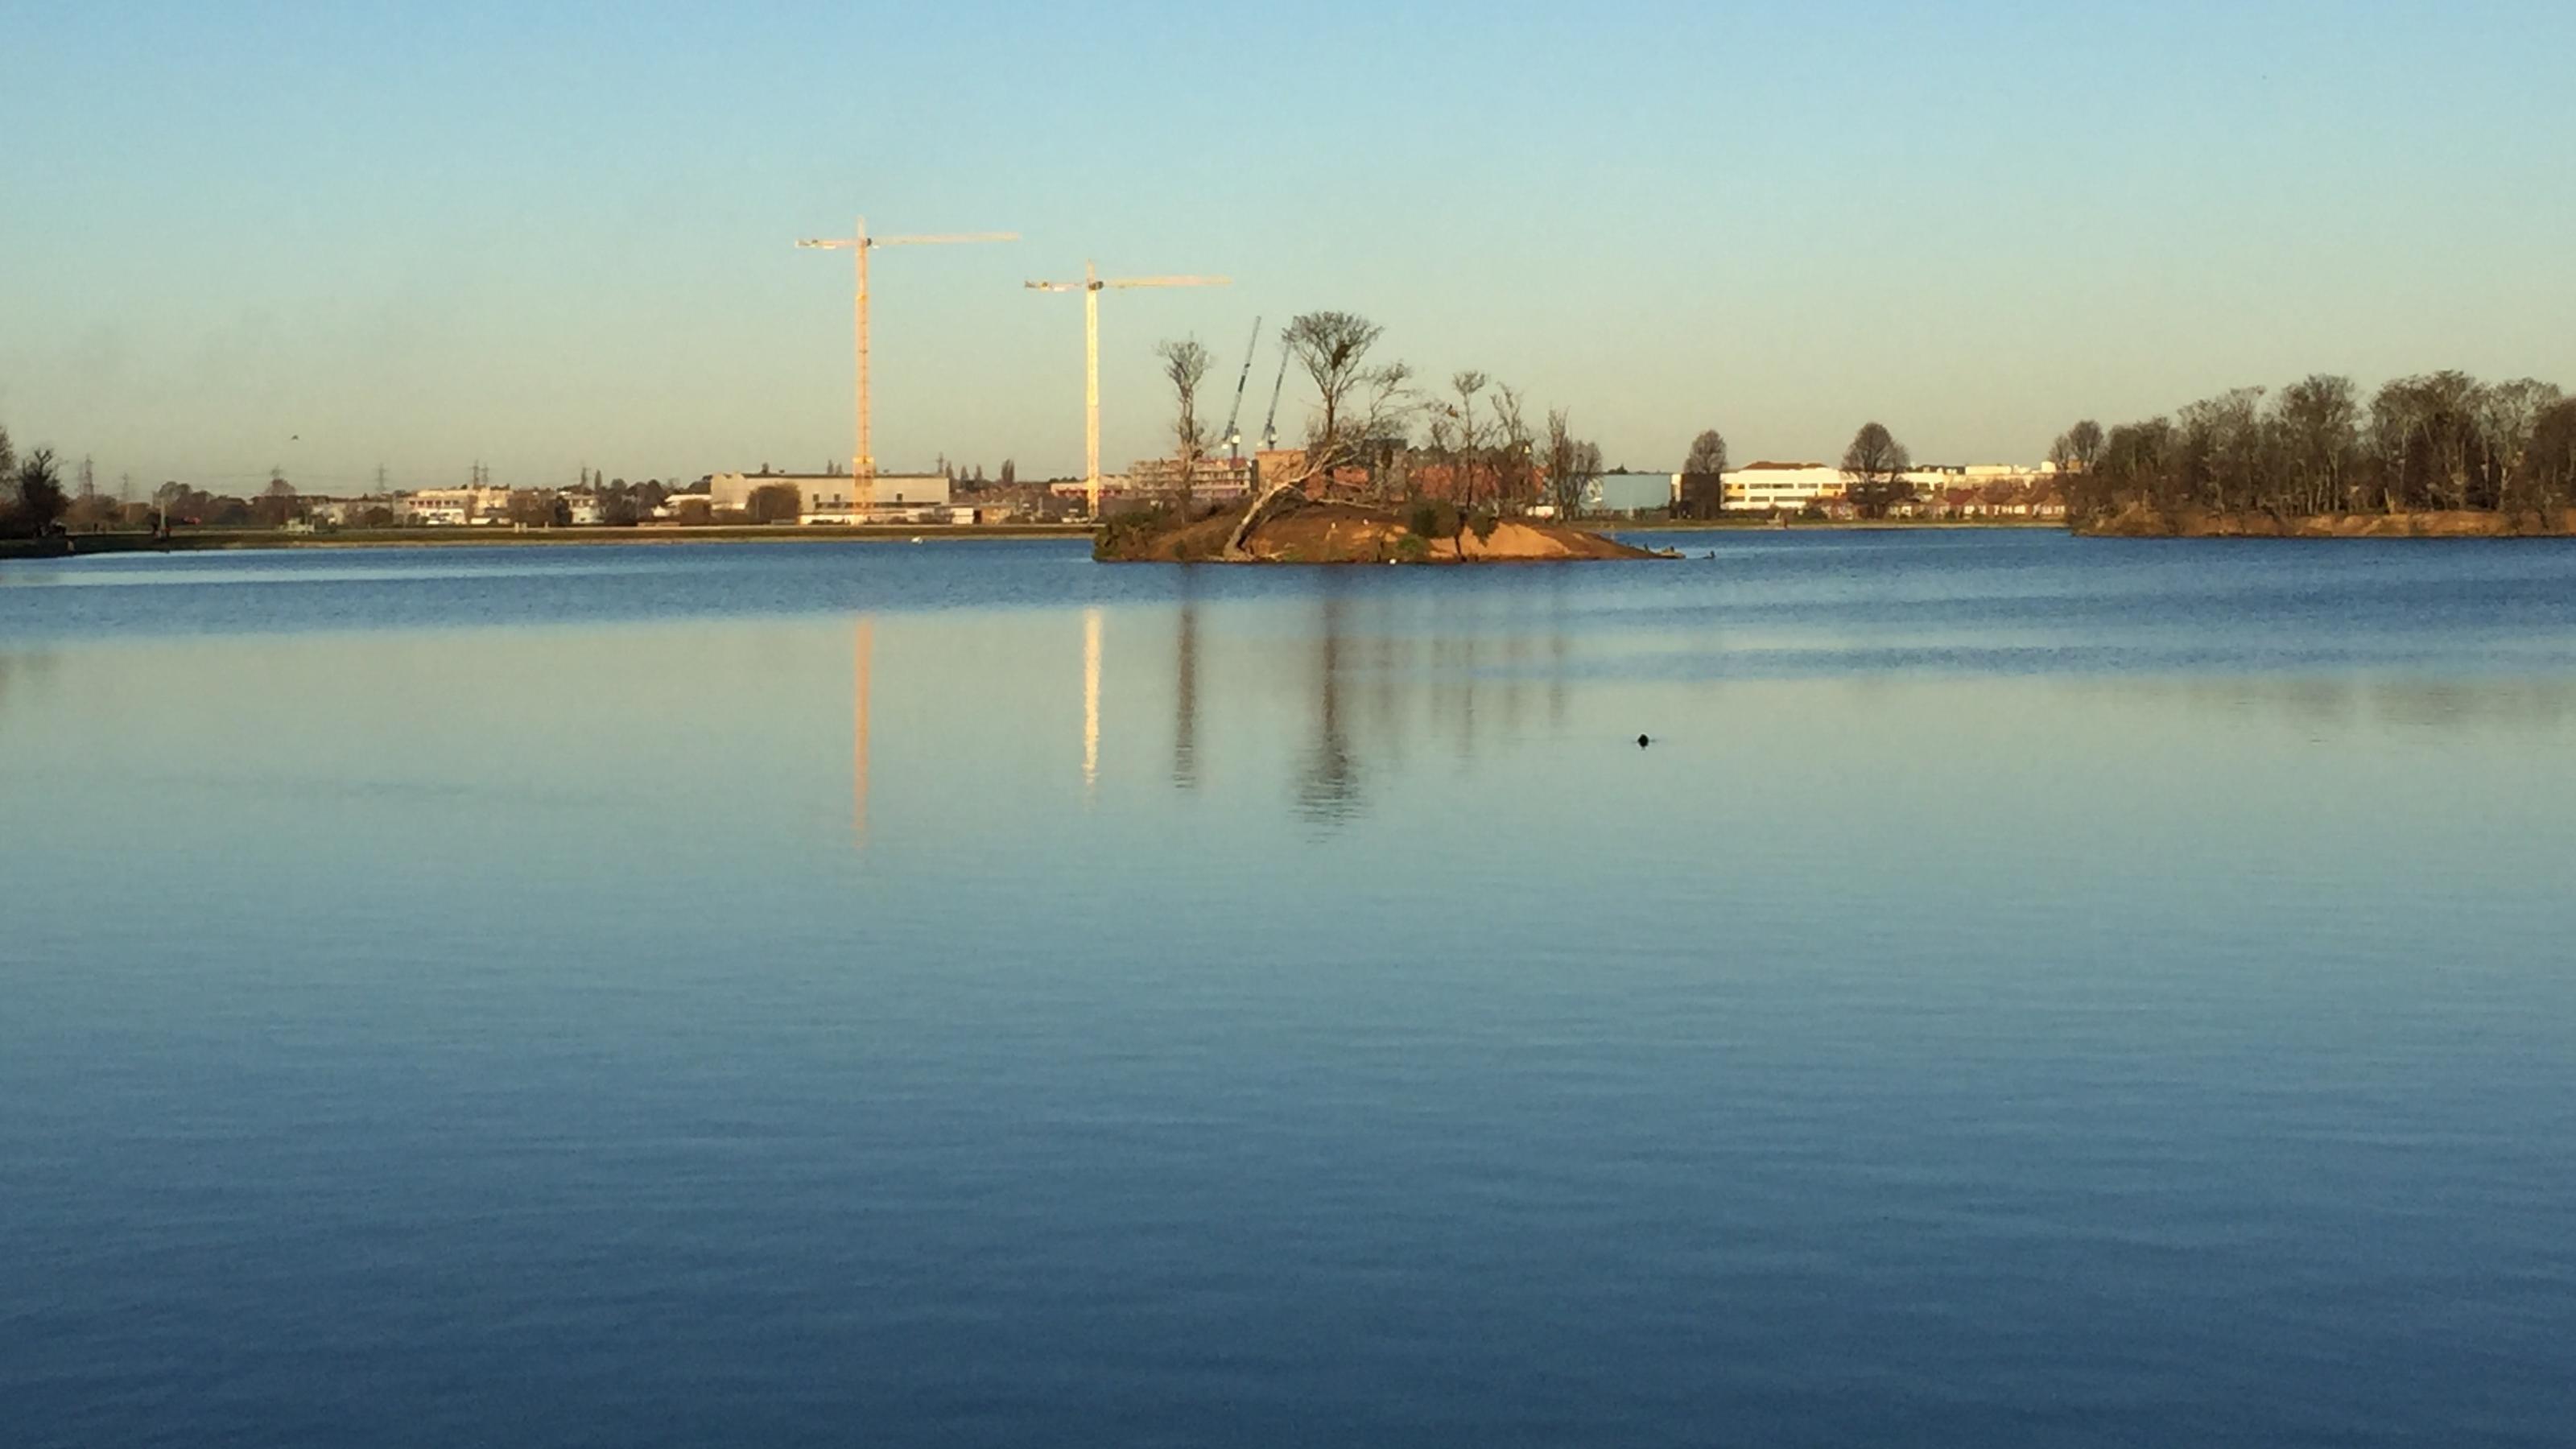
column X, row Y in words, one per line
column 1755, row 523
column 2188, row 522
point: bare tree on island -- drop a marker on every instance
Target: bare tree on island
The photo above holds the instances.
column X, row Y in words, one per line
column 1356, row 404
column 1515, row 449
column 1572, row 465
column 1185, row 365
column 1874, row 467
column 1458, row 435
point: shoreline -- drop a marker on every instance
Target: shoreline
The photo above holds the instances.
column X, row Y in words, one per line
column 1285, row 527
column 2143, row 522
column 86, row 545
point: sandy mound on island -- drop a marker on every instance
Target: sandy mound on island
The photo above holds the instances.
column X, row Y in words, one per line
column 1337, row 533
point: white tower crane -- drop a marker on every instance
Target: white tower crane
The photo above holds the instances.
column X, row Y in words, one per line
column 1091, row 286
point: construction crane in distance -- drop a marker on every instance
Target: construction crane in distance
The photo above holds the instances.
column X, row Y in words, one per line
column 863, row 462
column 1091, row 286
column 1270, row 425
column 1233, row 434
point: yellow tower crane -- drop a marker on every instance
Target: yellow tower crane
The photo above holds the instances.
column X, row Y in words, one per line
column 863, row 462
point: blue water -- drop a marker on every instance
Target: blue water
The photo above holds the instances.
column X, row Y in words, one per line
column 2031, row 991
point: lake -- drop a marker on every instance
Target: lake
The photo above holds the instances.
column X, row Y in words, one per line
column 2029, row 991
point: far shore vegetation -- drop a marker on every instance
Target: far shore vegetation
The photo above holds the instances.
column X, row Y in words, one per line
column 1447, row 463
column 2438, row 453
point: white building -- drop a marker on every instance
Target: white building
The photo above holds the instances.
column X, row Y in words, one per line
column 836, row 497
column 1792, row 486
column 454, row 507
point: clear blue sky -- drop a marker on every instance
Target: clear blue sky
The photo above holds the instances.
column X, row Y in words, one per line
column 545, row 235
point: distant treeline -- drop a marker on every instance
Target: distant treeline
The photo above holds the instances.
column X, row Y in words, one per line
column 2440, row 441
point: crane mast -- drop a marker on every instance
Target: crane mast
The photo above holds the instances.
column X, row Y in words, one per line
column 1233, row 434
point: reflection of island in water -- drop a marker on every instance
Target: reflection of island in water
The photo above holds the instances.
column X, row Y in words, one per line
column 1379, row 676
column 1370, row 683
column 1185, row 689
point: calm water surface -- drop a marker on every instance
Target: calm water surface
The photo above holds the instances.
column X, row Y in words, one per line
column 2031, row 992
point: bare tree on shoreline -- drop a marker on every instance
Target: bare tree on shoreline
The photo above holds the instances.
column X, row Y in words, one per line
column 1876, row 464
column 1572, row 464
column 1707, row 453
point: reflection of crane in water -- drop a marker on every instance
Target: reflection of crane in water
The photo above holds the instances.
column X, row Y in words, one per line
column 1090, row 700
column 863, row 657
column 1185, row 690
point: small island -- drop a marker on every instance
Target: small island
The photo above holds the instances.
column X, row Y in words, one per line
column 1286, row 527
column 1484, row 483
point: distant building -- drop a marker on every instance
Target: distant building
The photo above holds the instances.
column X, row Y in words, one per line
column 1791, row 486
column 838, row 497
column 347, row 512
column 1213, row 480
column 1630, row 493
column 1274, row 466
column 1115, row 491
column 1004, row 502
column 1957, row 490
column 454, row 507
